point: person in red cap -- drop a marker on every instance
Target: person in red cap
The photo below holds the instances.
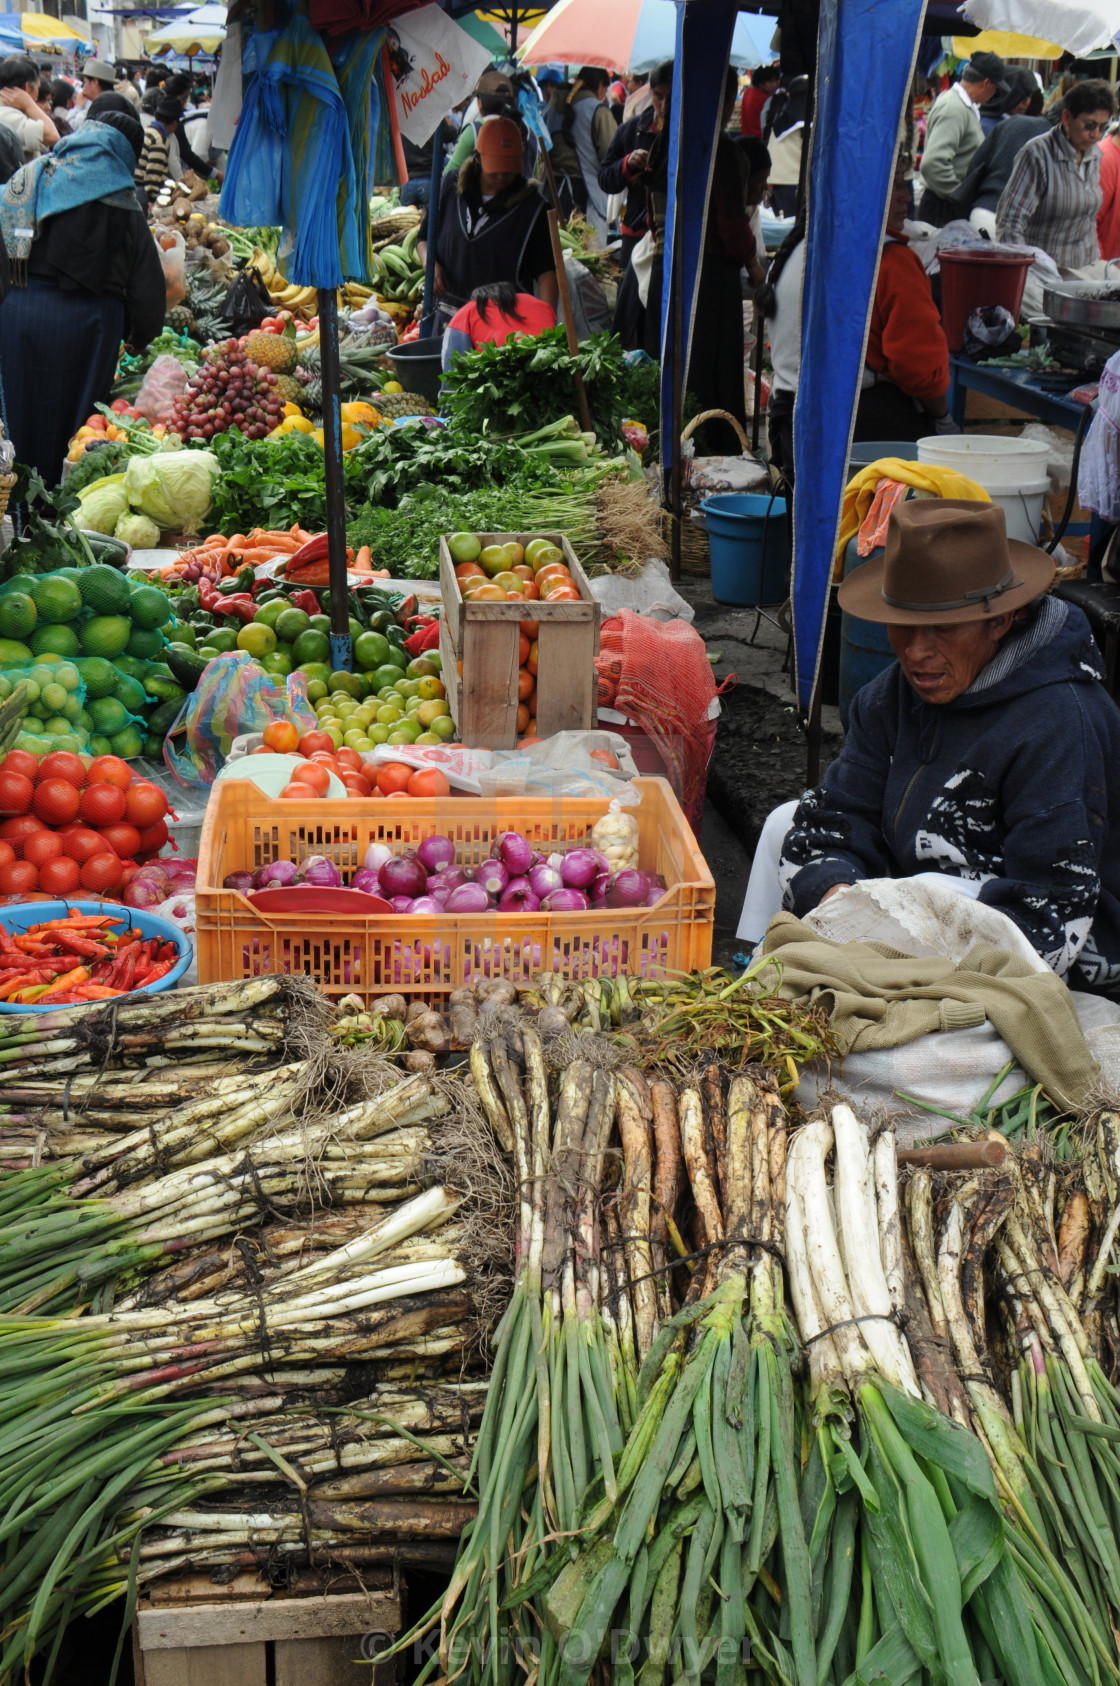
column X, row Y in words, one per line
column 492, row 226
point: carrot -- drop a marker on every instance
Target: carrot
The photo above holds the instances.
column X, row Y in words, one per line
column 363, row 561
column 236, row 541
column 380, row 574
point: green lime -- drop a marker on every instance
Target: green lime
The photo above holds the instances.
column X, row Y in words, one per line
column 98, row 675
column 130, row 693
column 99, row 745
column 222, row 638
column 397, row 658
column 316, row 690
column 443, row 727
column 350, row 684
column 12, row 652
column 278, row 664
column 315, row 670
column 406, row 732
column 269, row 613
column 57, row 600
column 104, row 590
column 18, row 582
column 57, row 726
column 104, row 635
column 321, row 623
column 54, row 640
column 311, row 646
column 290, row 623
column 378, row 733
column 385, row 678
column 145, row 643
column 258, row 639
column 108, row 715
column 32, row 726
column 129, row 743
column 18, row 615
column 82, row 721
column 183, row 633
column 135, row 666
column 371, row 650
column 148, row 606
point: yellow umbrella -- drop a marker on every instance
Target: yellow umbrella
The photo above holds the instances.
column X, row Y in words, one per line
column 37, row 26
column 1007, row 45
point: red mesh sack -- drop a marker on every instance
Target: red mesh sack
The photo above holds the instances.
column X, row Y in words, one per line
column 657, row 673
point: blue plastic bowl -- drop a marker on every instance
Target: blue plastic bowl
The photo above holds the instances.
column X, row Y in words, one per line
column 20, row 917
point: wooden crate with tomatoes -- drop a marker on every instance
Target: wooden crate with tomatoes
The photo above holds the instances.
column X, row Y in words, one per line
column 519, row 638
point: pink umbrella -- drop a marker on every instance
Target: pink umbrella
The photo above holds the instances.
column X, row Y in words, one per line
column 628, row 35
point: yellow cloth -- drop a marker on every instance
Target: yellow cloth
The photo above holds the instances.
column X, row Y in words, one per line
column 859, row 493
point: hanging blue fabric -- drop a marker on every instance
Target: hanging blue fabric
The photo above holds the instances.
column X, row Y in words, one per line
column 353, row 59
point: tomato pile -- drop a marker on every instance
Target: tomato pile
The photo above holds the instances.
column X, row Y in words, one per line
column 79, row 958
column 66, row 825
column 312, row 777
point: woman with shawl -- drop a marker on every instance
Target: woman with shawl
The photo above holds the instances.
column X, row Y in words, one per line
column 85, row 275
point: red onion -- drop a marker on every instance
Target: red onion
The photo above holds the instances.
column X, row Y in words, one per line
column 515, row 853
column 241, row 881
column 597, row 889
column 519, row 897
column 654, row 895
column 436, row 853
column 366, row 879
column 492, row 876
column 320, row 873
column 426, row 904
column 180, row 873
column 566, row 900
column 442, row 883
column 438, row 895
column 402, row 876
column 401, row 904
column 142, row 893
column 468, row 898
column 579, row 867
column 627, row 888
column 275, row 875
column 376, row 856
column 544, row 879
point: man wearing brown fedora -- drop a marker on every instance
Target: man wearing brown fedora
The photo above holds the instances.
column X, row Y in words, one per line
column 990, row 751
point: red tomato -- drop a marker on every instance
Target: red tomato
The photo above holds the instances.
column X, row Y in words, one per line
column 102, row 804
column 313, row 773
column 153, row 836
column 311, row 741
column 348, row 757
column 530, row 628
column 80, row 842
column 21, row 761
column 428, row 781
column 282, row 737
column 109, row 769
column 322, row 759
column 56, row 801
column 393, row 777
column 522, row 651
column 42, row 846
column 17, row 831
column 303, row 791
column 59, row 877
column 145, row 803
column 526, row 685
column 101, row 872
column 356, row 785
column 62, row 764
column 18, row 877
column 561, row 594
column 123, row 839
column 7, row 853
column 16, row 793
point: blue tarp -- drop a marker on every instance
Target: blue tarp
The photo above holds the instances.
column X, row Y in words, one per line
column 854, row 142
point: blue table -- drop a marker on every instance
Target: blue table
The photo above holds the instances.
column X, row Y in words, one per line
column 1019, row 390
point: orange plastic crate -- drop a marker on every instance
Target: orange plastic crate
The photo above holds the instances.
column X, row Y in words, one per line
column 426, row 956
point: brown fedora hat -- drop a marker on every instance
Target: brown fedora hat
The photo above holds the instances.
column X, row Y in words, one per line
column 946, row 560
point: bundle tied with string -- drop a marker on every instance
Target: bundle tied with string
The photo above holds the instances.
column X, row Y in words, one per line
column 658, row 675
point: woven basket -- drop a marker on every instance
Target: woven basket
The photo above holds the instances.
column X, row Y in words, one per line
column 695, row 557
column 7, row 481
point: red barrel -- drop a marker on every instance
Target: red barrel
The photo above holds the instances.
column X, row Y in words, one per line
column 971, row 280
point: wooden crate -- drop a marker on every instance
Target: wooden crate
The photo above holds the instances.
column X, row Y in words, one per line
column 189, row 1632
column 484, row 638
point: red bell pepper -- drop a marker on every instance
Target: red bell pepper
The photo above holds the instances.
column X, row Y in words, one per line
column 305, row 600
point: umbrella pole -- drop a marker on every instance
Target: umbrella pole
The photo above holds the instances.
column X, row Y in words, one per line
column 342, row 653
column 565, row 291
column 435, row 194
column 676, row 497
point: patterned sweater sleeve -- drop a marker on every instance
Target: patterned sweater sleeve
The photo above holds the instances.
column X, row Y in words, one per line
column 837, row 832
column 1054, row 804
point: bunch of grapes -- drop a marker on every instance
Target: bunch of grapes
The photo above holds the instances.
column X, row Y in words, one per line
column 228, row 391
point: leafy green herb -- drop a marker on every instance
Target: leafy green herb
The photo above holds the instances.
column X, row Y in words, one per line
column 527, row 383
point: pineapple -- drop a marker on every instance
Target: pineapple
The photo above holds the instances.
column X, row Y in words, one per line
column 311, row 396
column 397, row 404
column 271, row 351
column 291, row 390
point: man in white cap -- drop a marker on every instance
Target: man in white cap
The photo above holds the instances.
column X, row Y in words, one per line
column 97, row 78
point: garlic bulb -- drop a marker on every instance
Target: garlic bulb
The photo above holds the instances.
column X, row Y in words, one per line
column 616, row 834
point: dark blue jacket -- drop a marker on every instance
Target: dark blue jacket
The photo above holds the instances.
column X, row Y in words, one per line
column 1016, row 783
column 632, row 136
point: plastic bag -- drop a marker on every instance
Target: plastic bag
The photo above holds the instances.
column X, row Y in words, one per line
column 165, row 381
column 172, row 249
column 234, row 695
column 247, row 302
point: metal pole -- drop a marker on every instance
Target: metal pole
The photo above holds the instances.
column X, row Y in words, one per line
column 565, row 291
column 342, row 653
column 434, row 196
column 677, row 284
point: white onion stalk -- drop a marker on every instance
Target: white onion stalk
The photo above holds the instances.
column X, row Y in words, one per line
column 824, row 1362
column 805, row 1179
column 890, row 1218
column 421, row 1213
column 854, row 1194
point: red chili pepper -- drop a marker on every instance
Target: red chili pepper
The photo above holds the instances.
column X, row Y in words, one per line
column 169, row 951
column 159, row 971
column 81, row 945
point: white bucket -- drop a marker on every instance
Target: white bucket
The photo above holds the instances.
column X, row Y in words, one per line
column 986, row 457
column 1013, row 472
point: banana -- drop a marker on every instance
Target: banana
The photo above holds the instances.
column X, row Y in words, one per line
column 408, row 244
column 264, row 264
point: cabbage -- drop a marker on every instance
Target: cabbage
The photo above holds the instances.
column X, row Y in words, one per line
column 172, row 487
column 103, row 503
column 140, row 531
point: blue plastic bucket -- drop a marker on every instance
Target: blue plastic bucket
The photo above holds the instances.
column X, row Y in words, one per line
column 749, row 545
column 865, row 649
column 21, row 915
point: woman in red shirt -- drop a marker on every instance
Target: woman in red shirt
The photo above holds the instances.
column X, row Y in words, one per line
column 494, row 313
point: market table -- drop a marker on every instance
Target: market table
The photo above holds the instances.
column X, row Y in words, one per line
column 1013, row 387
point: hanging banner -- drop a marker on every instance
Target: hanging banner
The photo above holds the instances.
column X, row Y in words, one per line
column 434, row 66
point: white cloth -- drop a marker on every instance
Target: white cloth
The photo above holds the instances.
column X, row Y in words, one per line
column 785, row 324
column 641, row 262
column 1098, row 476
column 967, row 100
column 985, row 221
column 28, row 130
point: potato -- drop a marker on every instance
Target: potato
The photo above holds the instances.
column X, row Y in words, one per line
column 494, row 988
column 419, row 1060
column 390, row 1006
column 464, row 1021
column 428, row 1030
column 417, row 1010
